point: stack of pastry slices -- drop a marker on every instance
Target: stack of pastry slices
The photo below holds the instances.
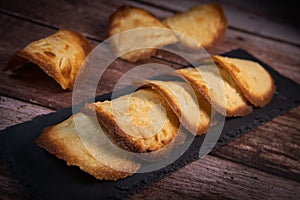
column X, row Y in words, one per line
column 148, row 119
column 136, row 34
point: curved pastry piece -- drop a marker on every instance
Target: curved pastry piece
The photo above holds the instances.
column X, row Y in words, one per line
column 192, row 109
column 138, row 44
column 255, row 82
column 59, row 55
column 217, row 86
column 63, row 141
column 204, row 24
column 138, row 122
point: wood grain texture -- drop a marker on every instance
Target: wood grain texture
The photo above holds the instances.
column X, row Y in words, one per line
column 214, row 178
column 88, row 17
column 14, row 111
column 264, row 19
column 207, row 178
column 284, row 57
column 27, row 77
column 31, row 84
column 253, row 17
column 273, row 147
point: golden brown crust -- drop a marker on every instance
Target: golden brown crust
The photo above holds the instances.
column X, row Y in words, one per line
column 59, row 55
column 235, row 104
column 222, row 28
column 249, row 76
column 176, row 95
column 206, row 24
column 62, row 141
column 124, row 16
column 128, row 18
column 85, row 44
column 129, row 133
column 118, row 136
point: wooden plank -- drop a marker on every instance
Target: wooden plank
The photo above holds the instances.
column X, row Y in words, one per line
column 277, row 54
column 13, row 111
column 282, row 57
column 209, row 178
column 70, row 11
column 30, row 83
column 252, row 17
column 273, row 147
column 255, row 18
column 214, row 178
column 27, row 78
column 90, row 17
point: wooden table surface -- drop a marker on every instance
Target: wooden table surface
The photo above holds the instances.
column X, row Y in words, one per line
column 262, row 164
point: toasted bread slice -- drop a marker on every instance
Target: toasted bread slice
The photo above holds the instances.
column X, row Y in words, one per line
column 205, row 24
column 215, row 84
column 191, row 108
column 63, row 141
column 137, row 42
column 138, row 122
column 60, row 55
column 255, row 82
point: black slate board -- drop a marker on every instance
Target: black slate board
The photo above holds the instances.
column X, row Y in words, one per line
column 47, row 177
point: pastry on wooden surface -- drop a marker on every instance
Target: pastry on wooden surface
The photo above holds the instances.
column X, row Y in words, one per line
column 128, row 18
column 217, row 86
column 204, row 24
column 255, row 82
column 138, row 122
column 192, row 109
column 60, row 55
column 63, row 141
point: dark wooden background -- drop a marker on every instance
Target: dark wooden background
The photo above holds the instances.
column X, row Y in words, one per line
column 262, row 164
